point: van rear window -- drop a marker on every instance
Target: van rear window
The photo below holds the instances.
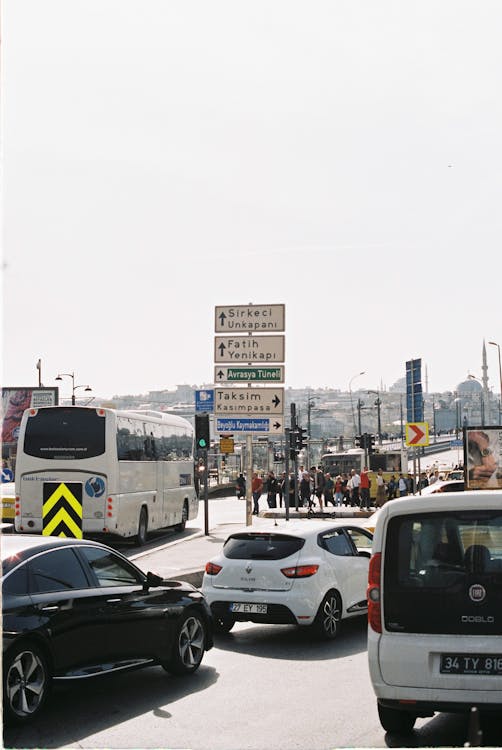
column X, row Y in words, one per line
column 442, row 570
column 248, row 546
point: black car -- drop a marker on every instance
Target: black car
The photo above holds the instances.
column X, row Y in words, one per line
column 74, row 608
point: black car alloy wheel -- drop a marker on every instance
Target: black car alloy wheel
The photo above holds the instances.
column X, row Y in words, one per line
column 26, row 682
column 327, row 621
column 189, row 645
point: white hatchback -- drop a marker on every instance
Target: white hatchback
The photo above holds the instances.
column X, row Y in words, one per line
column 309, row 573
column 435, row 606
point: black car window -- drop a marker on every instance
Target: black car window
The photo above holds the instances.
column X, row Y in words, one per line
column 249, row 546
column 57, row 570
column 337, row 543
column 16, row 582
column 110, row 569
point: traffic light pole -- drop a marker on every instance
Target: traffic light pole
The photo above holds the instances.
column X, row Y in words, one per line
column 206, row 494
column 249, row 475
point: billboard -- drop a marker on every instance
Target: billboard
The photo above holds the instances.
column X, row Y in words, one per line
column 483, row 458
column 15, row 401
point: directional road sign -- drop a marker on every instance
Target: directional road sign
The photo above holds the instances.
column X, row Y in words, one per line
column 252, row 401
column 246, row 374
column 253, row 349
column 249, row 318
column 417, row 433
column 271, row 425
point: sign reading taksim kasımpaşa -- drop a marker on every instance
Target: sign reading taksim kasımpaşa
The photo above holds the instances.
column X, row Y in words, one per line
column 249, row 318
column 226, row 374
column 251, row 401
column 252, row 349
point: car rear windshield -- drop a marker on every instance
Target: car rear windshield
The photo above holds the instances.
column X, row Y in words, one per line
column 65, row 433
column 443, row 572
column 248, row 546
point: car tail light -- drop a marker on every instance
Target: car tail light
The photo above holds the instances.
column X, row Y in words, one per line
column 373, row 593
column 212, row 569
column 300, row 571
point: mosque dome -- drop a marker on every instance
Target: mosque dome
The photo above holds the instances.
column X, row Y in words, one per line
column 469, row 387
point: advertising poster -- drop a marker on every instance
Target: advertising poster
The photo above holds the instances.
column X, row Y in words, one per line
column 15, row 401
column 483, row 458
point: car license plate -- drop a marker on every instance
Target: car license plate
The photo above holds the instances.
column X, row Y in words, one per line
column 483, row 664
column 256, row 609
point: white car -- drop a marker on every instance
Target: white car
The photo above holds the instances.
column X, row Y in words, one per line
column 435, row 607
column 306, row 573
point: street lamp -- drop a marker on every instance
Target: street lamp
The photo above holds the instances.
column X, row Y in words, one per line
column 378, row 404
column 482, row 402
column 310, row 404
column 352, row 403
column 458, row 413
column 360, row 405
column 74, row 387
column 494, row 343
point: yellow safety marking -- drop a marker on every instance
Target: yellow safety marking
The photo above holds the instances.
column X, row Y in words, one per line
column 62, row 491
column 63, row 516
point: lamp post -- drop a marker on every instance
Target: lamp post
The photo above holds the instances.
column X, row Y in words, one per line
column 74, row 387
column 352, row 403
column 360, row 405
column 378, row 404
column 458, row 412
column 310, row 404
column 481, row 399
column 494, row 343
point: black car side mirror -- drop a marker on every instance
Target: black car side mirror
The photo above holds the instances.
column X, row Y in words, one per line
column 152, row 579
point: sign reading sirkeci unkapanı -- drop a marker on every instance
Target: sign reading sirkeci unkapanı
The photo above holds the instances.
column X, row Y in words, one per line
column 252, row 349
column 483, row 458
column 249, row 318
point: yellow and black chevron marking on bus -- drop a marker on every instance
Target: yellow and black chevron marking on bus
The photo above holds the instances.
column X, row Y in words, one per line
column 62, row 509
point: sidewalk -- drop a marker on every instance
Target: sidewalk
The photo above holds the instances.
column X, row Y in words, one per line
column 185, row 559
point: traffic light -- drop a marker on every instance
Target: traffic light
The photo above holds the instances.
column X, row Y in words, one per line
column 202, row 431
column 359, row 441
column 371, row 444
column 293, row 437
column 301, row 438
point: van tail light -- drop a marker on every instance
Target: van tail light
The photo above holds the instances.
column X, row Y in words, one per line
column 373, row 593
column 212, row 569
column 300, row 571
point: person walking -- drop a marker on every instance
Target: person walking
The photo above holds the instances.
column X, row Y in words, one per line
column 380, row 490
column 305, row 490
column 271, row 490
column 282, row 489
column 356, row 482
column 391, row 488
column 319, row 482
column 402, row 486
column 256, row 489
column 365, row 489
column 338, row 490
column 241, row 486
column 329, row 489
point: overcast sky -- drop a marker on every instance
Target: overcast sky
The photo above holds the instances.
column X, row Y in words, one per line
column 161, row 158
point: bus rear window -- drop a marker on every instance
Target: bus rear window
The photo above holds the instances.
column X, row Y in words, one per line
column 65, row 433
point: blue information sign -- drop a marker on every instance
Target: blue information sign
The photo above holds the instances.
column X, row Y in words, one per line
column 248, row 424
column 204, row 400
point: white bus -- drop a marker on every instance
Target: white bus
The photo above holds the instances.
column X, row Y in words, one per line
column 95, row 471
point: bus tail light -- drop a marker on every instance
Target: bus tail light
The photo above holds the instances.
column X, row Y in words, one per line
column 373, row 593
column 110, row 507
column 17, row 506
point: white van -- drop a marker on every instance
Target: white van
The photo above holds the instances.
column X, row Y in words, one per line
column 435, row 606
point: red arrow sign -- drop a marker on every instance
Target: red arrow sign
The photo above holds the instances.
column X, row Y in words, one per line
column 419, row 434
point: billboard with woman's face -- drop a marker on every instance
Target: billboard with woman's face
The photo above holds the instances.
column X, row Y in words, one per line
column 483, row 458
column 15, row 401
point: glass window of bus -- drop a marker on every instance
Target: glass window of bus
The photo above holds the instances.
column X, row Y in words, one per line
column 130, row 439
column 65, row 433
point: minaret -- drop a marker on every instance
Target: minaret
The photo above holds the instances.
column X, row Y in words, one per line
column 484, row 370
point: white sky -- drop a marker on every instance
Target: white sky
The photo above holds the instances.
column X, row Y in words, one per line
column 161, row 158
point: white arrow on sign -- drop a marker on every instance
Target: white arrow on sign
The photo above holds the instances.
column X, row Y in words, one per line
column 254, row 401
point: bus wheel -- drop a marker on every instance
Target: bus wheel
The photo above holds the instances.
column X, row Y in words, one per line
column 142, row 534
column 184, row 518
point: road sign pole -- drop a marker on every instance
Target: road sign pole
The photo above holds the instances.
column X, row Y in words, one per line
column 206, row 494
column 249, row 473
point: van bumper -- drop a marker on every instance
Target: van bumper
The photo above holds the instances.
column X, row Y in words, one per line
column 429, row 708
